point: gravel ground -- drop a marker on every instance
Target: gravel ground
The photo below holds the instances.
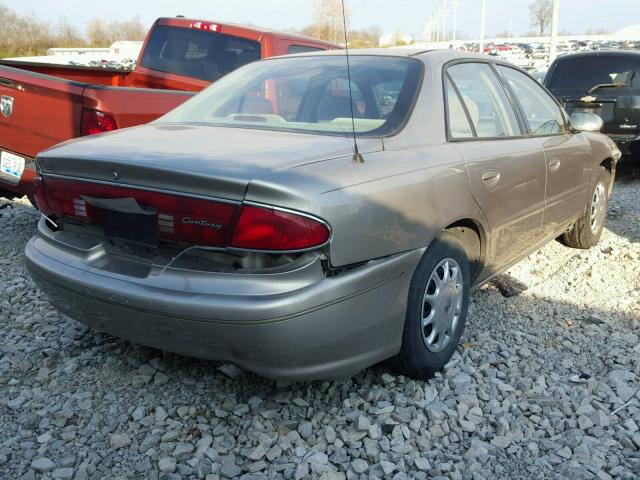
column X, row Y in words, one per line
column 545, row 385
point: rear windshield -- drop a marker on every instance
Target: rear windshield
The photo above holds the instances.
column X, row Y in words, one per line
column 309, row 94
column 583, row 73
column 197, row 53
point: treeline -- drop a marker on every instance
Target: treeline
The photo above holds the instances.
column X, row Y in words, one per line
column 25, row 35
column 328, row 24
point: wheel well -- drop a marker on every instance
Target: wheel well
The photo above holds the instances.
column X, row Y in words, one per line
column 610, row 166
column 469, row 234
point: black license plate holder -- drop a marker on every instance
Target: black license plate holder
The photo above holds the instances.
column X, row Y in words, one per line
column 137, row 228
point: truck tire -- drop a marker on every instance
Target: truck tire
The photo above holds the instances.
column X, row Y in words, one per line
column 436, row 309
column 587, row 230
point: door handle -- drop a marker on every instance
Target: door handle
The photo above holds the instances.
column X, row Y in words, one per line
column 554, row 164
column 6, row 82
column 491, row 177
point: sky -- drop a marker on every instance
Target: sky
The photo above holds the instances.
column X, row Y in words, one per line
column 407, row 16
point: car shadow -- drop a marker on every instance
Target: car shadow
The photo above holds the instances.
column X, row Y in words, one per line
column 624, row 206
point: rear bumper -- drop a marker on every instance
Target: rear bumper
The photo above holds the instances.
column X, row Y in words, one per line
column 629, row 145
column 11, row 187
column 298, row 325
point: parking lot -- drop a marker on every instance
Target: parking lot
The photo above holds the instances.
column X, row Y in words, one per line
column 544, row 385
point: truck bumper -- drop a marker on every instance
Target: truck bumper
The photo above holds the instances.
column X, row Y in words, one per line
column 11, row 187
column 302, row 325
column 629, row 145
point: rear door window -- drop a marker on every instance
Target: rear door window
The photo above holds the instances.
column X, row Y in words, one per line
column 197, row 53
column 485, row 100
column 543, row 115
column 458, row 121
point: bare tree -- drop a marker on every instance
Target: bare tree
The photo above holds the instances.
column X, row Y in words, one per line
column 101, row 34
column 128, row 30
column 327, row 21
column 540, row 12
column 66, row 35
column 98, row 33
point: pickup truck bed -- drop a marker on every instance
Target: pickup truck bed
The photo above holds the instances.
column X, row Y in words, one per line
column 43, row 104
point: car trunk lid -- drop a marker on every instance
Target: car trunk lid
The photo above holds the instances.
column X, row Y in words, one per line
column 186, row 186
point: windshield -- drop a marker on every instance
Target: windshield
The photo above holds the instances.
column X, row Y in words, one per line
column 197, row 53
column 586, row 72
column 309, row 94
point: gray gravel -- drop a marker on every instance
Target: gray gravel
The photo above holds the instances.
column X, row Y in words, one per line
column 530, row 394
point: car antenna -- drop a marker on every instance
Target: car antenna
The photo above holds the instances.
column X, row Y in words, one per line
column 357, row 158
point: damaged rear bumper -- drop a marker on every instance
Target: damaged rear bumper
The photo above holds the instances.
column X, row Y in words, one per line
column 294, row 325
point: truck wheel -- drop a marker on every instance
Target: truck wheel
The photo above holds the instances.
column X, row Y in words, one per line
column 32, row 201
column 436, row 309
column 587, row 230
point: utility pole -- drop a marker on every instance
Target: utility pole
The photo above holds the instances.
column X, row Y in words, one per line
column 437, row 21
column 554, row 31
column 483, row 11
column 456, row 4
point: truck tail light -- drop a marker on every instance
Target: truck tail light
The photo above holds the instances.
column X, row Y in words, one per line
column 188, row 220
column 94, row 122
column 264, row 228
column 211, row 27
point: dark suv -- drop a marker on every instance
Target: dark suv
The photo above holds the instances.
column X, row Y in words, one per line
column 607, row 84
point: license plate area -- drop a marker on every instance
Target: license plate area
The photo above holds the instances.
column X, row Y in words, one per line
column 136, row 228
column 11, row 166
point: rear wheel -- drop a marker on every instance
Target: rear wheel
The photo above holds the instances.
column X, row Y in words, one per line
column 436, row 309
column 587, row 230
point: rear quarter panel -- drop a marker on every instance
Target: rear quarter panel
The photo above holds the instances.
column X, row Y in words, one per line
column 394, row 202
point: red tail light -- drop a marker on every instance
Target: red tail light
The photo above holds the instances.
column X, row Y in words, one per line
column 262, row 228
column 188, row 220
column 211, row 27
column 94, row 122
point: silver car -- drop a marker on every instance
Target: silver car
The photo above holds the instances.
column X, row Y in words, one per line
column 242, row 226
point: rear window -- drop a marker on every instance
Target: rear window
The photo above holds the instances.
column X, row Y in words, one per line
column 197, row 53
column 310, row 94
column 583, row 73
column 302, row 49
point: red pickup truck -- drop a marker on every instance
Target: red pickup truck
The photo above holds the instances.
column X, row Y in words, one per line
column 43, row 104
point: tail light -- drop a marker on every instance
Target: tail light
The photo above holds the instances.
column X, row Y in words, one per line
column 188, row 220
column 263, row 228
column 211, row 27
column 94, row 122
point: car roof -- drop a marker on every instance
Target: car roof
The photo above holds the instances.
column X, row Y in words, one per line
column 443, row 55
column 600, row 53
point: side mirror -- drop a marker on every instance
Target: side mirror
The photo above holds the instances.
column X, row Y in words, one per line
column 586, row 122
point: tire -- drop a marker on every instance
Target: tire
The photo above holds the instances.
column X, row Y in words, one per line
column 425, row 350
column 32, row 201
column 587, row 230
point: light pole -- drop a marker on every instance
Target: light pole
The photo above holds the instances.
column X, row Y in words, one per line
column 483, row 11
column 456, row 3
column 554, row 31
column 444, row 20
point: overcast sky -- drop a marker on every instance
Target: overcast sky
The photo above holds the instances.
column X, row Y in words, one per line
column 408, row 16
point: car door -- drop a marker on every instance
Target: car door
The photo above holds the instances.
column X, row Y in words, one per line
column 506, row 167
column 567, row 154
